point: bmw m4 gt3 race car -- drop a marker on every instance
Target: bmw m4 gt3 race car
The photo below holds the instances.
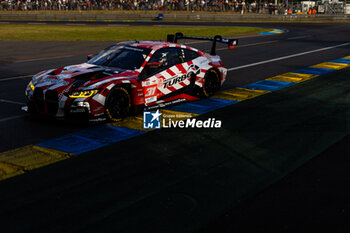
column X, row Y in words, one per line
column 128, row 76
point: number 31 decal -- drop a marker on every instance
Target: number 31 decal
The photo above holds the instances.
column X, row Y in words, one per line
column 150, row 91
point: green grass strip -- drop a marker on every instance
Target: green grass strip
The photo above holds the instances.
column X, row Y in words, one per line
column 105, row 33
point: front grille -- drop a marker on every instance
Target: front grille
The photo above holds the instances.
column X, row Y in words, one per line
column 51, row 98
column 38, row 97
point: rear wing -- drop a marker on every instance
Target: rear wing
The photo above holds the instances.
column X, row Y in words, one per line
column 231, row 43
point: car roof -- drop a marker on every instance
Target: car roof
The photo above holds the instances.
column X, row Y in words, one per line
column 154, row 45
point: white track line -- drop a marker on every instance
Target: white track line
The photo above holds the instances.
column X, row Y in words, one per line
column 18, row 77
column 11, row 118
column 11, row 102
column 248, row 45
column 260, row 43
column 286, row 57
column 40, row 59
column 297, row 37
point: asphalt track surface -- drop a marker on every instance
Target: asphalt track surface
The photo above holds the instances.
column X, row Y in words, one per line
column 22, row 59
column 256, row 58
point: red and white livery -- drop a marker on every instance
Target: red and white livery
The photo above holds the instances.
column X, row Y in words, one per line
column 126, row 77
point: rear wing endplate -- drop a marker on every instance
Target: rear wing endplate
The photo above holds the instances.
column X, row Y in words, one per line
column 231, row 43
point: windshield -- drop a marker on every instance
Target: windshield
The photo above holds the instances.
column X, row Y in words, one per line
column 124, row 57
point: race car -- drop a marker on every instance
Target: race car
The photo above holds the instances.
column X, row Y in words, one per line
column 126, row 77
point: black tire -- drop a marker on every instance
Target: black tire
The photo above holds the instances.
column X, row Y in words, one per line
column 211, row 83
column 118, row 104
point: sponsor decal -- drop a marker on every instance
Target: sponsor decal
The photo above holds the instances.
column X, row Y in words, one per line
column 174, row 80
column 178, row 79
column 164, row 104
column 160, row 83
column 193, row 68
column 151, row 99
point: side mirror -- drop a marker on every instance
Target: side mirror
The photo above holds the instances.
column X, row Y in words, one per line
column 154, row 65
column 90, row 56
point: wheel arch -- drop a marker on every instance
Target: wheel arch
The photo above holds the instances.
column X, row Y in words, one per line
column 217, row 72
column 210, row 73
column 127, row 86
column 123, row 87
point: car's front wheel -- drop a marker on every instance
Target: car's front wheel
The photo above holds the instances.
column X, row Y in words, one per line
column 118, row 104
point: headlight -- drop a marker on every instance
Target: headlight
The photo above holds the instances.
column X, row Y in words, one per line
column 83, row 94
column 32, row 87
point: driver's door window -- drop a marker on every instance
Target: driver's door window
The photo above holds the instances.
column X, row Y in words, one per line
column 161, row 60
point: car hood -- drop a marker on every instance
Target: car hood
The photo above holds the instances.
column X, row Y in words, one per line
column 82, row 76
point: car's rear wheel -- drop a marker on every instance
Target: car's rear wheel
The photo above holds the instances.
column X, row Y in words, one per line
column 211, row 83
column 118, row 104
